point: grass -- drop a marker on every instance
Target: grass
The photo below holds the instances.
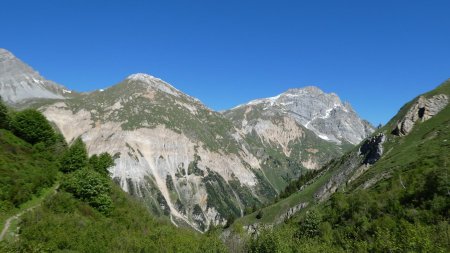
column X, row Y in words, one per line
column 399, row 153
column 35, row 201
column 272, row 212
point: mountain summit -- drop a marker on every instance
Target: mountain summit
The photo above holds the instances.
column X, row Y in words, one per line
column 20, row 83
column 324, row 114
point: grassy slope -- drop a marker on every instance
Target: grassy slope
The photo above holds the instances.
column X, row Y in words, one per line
column 399, row 151
column 406, row 208
column 65, row 223
column 24, row 174
column 61, row 222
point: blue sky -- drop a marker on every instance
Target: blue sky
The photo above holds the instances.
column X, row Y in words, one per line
column 375, row 54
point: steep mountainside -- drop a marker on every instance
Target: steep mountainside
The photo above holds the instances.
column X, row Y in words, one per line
column 45, row 210
column 390, row 171
column 196, row 165
column 184, row 159
column 19, row 83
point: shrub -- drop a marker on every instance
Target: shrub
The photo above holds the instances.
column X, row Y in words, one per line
column 101, row 163
column 75, row 158
column 5, row 119
column 33, row 127
column 91, row 187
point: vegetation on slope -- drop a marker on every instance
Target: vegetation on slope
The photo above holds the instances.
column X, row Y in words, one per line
column 88, row 213
column 401, row 204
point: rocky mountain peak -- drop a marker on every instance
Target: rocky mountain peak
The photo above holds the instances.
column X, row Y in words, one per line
column 5, row 55
column 153, row 82
column 323, row 113
column 20, row 83
column 305, row 90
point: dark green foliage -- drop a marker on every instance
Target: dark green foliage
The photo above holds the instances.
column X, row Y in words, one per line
column 193, row 167
column 75, row 158
column 5, row 119
column 91, row 187
column 219, row 193
column 169, row 183
column 72, row 219
column 66, row 224
column 309, row 227
column 101, row 163
column 33, row 127
column 301, row 182
column 24, row 170
column 268, row 242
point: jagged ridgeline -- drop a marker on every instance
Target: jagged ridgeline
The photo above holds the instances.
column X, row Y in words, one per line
column 196, row 165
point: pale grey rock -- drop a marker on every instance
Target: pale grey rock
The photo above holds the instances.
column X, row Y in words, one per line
column 19, row 82
column 354, row 165
column 293, row 210
column 325, row 114
column 423, row 109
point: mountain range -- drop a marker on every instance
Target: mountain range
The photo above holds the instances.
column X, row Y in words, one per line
column 186, row 161
column 110, row 170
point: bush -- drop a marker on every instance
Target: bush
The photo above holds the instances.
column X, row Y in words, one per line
column 33, row 127
column 91, row 187
column 5, row 119
column 101, row 163
column 75, row 158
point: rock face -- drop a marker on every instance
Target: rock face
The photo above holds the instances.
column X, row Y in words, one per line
column 423, row 109
column 322, row 113
column 293, row 210
column 353, row 165
column 183, row 159
column 19, row 82
column 372, row 148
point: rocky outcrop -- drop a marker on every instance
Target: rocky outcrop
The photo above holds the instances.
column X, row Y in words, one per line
column 293, row 210
column 353, row 165
column 372, row 148
column 422, row 110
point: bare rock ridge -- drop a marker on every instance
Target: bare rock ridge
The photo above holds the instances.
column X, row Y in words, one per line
column 324, row 114
column 423, row 109
column 19, row 82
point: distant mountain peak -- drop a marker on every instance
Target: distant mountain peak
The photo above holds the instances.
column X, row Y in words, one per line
column 5, row 55
column 20, row 83
column 323, row 113
column 142, row 77
column 154, row 82
column 305, row 90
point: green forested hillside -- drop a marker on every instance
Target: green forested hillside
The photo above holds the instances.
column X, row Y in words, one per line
column 87, row 212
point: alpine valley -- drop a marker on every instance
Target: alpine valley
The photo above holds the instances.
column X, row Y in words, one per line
column 186, row 161
column 277, row 174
